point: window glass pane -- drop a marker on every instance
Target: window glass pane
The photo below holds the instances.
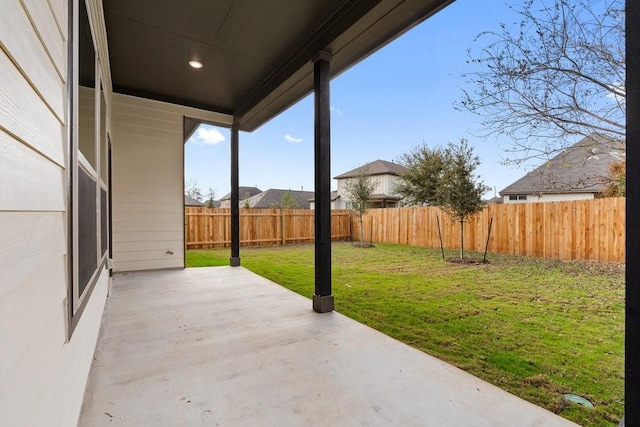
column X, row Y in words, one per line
column 86, row 89
column 87, row 233
column 103, row 221
column 103, row 136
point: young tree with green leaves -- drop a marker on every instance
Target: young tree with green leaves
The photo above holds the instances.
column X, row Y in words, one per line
column 358, row 191
column 459, row 192
column 288, row 201
column 420, row 183
column 211, row 195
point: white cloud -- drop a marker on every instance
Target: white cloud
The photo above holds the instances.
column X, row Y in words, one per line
column 210, row 136
column 335, row 110
column 291, row 138
column 617, row 87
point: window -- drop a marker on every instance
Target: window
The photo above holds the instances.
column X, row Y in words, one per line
column 518, row 197
column 88, row 171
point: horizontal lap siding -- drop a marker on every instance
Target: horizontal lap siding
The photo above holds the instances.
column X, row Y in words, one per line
column 22, row 42
column 147, row 171
column 42, row 375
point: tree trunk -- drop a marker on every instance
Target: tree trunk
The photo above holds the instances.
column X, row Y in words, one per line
column 361, row 231
column 461, row 238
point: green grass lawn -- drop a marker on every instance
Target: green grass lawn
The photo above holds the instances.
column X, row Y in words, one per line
column 537, row 328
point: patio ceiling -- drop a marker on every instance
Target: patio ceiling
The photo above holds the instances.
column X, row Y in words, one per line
column 256, row 55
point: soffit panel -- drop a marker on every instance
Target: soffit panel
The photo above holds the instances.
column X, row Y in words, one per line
column 148, row 59
column 198, row 20
column 270, row 31
column 229, row 76
column 256, row 54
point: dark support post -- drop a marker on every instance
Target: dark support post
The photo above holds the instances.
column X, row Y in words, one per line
column 322, row 299
column 235, row 201
column 632, row 327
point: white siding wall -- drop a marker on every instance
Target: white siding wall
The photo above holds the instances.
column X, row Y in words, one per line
column 148, row 217
column 388, row 184
column 148, row 175
column 384, row 184
column 341, row 187
column 42, row 376
column 551, row 198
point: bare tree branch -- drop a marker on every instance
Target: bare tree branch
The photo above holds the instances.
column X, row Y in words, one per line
column 558, row 74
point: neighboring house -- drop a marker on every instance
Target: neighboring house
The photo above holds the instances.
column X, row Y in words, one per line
column 385, row 177
column 273, row 197
column 190, row 202
column 336, row 202
column 92, row 155
column 244, row 192
column 578, row 173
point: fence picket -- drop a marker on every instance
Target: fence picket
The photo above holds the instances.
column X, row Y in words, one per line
column 585, row 229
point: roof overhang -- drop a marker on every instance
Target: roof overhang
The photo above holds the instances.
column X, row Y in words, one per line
column 257, row 55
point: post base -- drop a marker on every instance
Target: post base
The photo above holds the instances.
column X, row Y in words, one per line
column 323, row 304
column 234, row 261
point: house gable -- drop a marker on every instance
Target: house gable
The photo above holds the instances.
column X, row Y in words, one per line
column 580, row 169
column 382, row 174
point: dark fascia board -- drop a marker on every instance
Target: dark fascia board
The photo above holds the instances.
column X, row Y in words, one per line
column 389, row 19
column 345, row 16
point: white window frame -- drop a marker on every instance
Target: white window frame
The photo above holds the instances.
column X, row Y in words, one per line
column 78, row 161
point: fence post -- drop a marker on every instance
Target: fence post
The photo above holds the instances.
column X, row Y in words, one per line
column 282, row 221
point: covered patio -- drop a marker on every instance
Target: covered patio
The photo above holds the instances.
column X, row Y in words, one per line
column 97, row 99
column 223, row 346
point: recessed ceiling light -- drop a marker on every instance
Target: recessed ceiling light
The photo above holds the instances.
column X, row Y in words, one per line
column 195, row 64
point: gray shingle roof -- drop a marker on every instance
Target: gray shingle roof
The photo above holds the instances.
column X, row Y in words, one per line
column 378, row 167
column 190, row 201
column 272, row 197
column 245, row 192
column 578, row 169
column 334, row 196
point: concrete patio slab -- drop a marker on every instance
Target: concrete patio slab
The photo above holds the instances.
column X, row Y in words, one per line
column 223, row 346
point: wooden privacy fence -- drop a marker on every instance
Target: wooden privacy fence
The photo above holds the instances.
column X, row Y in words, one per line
column 207, row 228
column 580, row 230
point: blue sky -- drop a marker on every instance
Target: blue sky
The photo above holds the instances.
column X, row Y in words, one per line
column 399, row 97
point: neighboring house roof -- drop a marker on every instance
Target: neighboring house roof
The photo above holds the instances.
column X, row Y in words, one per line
column 190, row 201
column 384, row 197
column 272, row 197
column 245, row 193
column 578, row 169
column 494, row 201
column 334, row 196
column 378, row 167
